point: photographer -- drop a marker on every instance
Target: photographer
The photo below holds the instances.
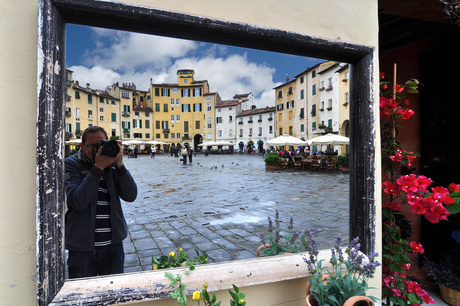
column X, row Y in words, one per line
column 95, row 227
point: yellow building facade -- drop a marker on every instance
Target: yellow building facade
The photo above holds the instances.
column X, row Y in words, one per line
column 181, row 110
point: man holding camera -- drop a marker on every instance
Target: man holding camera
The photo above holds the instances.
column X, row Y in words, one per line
column 95, row 227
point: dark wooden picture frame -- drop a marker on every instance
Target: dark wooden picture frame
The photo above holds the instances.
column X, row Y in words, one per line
column 53, row 17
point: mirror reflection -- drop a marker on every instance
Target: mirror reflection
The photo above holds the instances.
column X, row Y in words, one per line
column 194, row 131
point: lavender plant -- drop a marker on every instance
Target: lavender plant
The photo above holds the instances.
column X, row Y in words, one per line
column 279, row 241
column 347, row 275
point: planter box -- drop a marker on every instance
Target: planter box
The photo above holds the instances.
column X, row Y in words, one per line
column 271, row 167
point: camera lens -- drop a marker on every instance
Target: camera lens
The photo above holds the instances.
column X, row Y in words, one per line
column 110, row 148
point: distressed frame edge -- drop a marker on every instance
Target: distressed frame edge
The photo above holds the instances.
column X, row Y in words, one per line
column 47, row 11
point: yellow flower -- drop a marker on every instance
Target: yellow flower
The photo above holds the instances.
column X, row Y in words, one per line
column 180, row 249
column 155, row 267
column 241, row 302
column 206, row 284
column 196, row 295
column 172, row 254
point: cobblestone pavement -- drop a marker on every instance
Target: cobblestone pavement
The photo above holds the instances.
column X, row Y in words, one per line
column 219, row 204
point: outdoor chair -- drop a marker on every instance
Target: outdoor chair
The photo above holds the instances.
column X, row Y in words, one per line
column 316, row 164
column 283, row 163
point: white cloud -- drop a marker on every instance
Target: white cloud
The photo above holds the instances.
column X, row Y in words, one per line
column 125, row 51
column 136, row 58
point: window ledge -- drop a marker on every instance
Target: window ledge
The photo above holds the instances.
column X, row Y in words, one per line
column 153, row 285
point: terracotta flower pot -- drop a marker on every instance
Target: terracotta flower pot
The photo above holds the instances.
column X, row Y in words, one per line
column 310, row 300
column 354, row 299
column 450, row 296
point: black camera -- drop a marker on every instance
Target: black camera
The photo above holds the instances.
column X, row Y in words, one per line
column 109, row 147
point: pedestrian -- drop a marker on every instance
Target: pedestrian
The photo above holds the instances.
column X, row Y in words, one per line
column 136, row 149
column 190, row 154
column 184, row 153
column 154, row 151
column 172, row 151
column 94, row 223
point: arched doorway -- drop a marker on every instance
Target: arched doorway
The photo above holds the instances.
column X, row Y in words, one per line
column 241, row 146
column 250, row 146
column 260, row 146
column 197, row 139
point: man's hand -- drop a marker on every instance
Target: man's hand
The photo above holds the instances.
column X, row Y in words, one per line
column 103, row 161
column 119, row 157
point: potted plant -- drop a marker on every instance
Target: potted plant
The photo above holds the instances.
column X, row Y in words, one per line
column 344, row 162
column 344, row 281
column 272, row 161
column 446, row 274
column 281, row 241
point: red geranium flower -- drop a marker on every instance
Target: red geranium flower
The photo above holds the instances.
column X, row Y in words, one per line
column 390, row 188
column 454, row 187
column 417, row 247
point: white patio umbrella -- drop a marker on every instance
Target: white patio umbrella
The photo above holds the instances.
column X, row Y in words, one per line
column 73, row 142
column 329, row 139
column 216, row 143
column 155, row 142
column 133, row 142
column 286, row 140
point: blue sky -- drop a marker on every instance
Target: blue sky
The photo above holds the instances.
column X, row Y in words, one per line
column 102, row 57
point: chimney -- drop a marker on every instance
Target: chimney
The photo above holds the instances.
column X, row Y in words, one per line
column 287, row 78
column 87, row 85
column 253, row 106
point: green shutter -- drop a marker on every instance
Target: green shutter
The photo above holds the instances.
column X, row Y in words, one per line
column 134, row 123
column 157, row 107
column 114, row 117
column 182, row 105
column 313, row 125
column 329, row 123
column 182, row 93
column 78, row 126
column 169, row 92
column 140, row 123
column 157, row 92
column 165, row 107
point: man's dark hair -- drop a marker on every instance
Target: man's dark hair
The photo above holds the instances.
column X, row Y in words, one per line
column 90, row 130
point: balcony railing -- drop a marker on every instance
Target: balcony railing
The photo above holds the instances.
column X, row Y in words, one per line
column 68, row 113
column 126, row 130
column 126, row 114
column 165, row 131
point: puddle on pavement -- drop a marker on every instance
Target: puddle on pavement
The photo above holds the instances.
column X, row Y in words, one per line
column 236, row 219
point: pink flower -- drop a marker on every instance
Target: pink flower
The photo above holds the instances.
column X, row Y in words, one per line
column 393, row 205
column 407, row 113
column 406, row 267
column 399, row 89
column 454, row 187
column 391, row 188
column 396, row 292
column 417, row 247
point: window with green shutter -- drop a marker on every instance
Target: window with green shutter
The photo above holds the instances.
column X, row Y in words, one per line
column 157, row 92
column 101, row 99
column 329, row 123
column 165, row 107
column 78, row 127
column 157, row 124
column 157, row 107
column 313, row 125
column 114, row 117
column 77, row 95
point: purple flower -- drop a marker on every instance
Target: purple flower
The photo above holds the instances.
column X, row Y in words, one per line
column 270, row 225
column 291, row 224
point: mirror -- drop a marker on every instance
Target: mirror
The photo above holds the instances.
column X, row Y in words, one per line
column 219, row 204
